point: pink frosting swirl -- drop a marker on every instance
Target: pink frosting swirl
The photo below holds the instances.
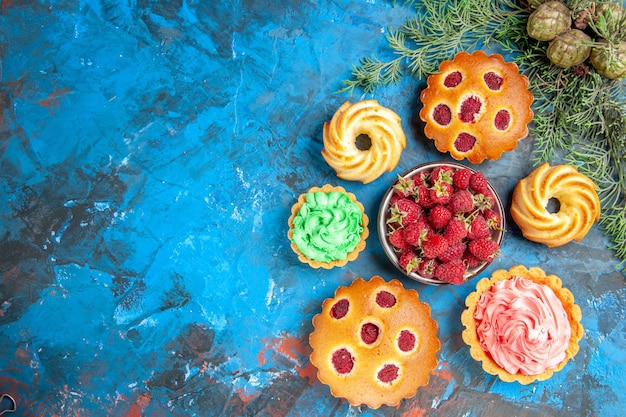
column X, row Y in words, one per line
column 522, row 325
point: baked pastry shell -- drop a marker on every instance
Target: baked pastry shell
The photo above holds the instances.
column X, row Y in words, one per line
column 338, row 262
column 538, row 276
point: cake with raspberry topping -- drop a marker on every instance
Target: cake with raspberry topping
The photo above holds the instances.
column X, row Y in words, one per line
column 476, row 106
column 374, row 343
column 521, row 324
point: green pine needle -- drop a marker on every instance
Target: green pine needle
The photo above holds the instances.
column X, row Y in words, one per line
column 580, row 117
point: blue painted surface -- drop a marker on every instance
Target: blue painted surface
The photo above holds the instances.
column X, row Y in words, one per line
column 150, row 153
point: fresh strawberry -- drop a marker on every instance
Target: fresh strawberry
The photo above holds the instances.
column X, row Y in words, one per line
column 454, row 252
column 441, row 192
column 426, row 267
column 405, row 211
column 478, row 182
column 460, row 178
column 439, row 216
column 408, row 261
column 397, row 240
column 434, row 246
column 478, row 228
column 456, row 230
column 451, row 272
column 404, row 187
column 484, row 249
column 461, row 202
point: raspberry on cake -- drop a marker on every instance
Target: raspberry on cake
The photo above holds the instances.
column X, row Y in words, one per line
column 374, row 343
column 476, row 106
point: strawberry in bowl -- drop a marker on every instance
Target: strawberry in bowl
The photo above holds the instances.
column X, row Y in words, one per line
column 441, row 223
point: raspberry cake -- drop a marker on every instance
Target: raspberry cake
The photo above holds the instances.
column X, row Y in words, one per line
column 476, row 106
column 374, row 343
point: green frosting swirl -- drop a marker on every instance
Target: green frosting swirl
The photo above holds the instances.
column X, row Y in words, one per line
column 328, row 226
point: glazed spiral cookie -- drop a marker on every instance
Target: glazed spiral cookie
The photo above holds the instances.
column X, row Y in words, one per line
column 363, row 140
column 579, row 205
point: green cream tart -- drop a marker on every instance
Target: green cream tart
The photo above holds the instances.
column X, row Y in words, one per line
column 328, row 226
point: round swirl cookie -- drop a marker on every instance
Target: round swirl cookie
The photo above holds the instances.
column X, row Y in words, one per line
column 374, row 343
column 522, row 324
column 327, row 227
column 363, row 140
column 579, row 205
column 476, row 106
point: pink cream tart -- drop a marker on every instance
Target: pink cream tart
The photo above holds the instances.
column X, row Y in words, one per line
column 522, row 325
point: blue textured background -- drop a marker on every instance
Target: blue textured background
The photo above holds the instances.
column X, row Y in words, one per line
column 150, row 152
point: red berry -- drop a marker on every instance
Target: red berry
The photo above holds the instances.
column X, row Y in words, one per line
column 493, row 219
column 434, row 246
column 454, row 252
column 470, row 260
column 460, row 178
column 385, row 299
column 397, row 240
column 442, row 173
column 484, row 249
column 405, row 211
column 388, row 373
column 441, row 192
column 394, row 199
column 408, row 261
column 456, row 230
column 427, row 267
column 340, row 309
column 478, row 228
column 342, row 361
column 423, row 197
column 461, row 202
column 404, row 186
column 478, row 182
column 453, row 79
column 439, row 216
column 451, row 272
column 417, row 232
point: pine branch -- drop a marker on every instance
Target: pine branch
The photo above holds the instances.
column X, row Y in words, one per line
column 580, row 117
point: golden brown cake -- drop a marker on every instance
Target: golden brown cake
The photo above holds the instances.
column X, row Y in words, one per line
column 579, row 205
column 476, row 106
column 378, row 152
column 374, row 343
column 327, row 227
column 521, row 324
